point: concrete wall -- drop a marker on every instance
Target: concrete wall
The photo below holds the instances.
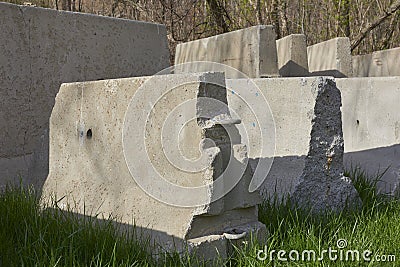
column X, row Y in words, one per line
column 377, row 64
column 292, row 56
column 251, row 51
column 42, row 48
column 331, row 58
column 303, row 117
column 371, row 127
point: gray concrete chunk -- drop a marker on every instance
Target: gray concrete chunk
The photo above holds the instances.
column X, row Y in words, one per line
column 378, row 64
column 308, row 150
column 331, row 58
column 292, row 56
column 137, row 150
column 371, row 128
column 251, row 51
column 42, row 48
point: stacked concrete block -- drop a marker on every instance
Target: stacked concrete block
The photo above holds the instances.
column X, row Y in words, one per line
column 251, row 51
column 331, row 58
column 159, row 152
column 292, row 56
column 378, row 64
column 42, row 48
column 308, row 156
column 371, row 128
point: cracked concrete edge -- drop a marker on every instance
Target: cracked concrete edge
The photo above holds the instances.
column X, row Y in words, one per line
column 322, row 185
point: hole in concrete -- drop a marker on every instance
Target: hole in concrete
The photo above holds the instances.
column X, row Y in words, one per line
column 358, row 122
column 89, row 134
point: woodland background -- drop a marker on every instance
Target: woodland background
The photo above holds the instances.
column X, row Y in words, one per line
column 371, row 25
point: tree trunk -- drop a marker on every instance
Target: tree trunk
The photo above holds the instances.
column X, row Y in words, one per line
column 218, row 13
column 258, row 8
column 275, row 18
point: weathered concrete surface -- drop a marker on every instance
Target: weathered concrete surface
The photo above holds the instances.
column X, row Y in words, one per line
column 331, row 58
column 378, row 64
column 371, row 127
column 292, row 56
column 308, row 161
column 251, row 51
column 93, row 157
column 40, row 49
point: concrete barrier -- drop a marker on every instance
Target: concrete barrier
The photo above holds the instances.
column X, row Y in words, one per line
column 331, row 58
column 378, row 64
column 42, row 48
column 292, row 56
column 129, row 149
column 371, row 127
column 308, row 157
column 251, row 51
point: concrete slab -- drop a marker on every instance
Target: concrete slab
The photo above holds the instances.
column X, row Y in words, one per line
column 42, row 48
column 378, row 64
column 292, row 56
column 308, row 157
column 251, row 51
column 331, row 58
column 153, row 152
column 371, row 127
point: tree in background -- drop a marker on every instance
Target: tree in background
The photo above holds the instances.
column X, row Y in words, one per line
column 370, row 25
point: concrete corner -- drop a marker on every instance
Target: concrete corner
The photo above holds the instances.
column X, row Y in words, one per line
column 292, row 56
column 331, row 58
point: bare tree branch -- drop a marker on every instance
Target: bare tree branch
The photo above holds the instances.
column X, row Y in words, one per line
column 392, row 9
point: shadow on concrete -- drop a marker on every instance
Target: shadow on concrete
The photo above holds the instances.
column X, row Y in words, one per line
column 292, row 69
column 381, row 161
column 333, row 73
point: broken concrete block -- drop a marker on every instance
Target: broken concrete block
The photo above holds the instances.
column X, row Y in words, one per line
column 304, row 115
column 371, row 128
column 251, row 51
column 292, row 56
column 42, row 48
column 161, row 153
column 378, row 64
column 331, row 58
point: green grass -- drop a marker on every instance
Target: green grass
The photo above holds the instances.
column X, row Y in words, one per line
column 32, row 237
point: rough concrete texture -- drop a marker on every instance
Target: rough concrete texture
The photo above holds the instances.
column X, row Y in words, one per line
column 89, row 173
column 378, row 64
column 40, row 49
column 371, row 127
column 308, row 163
column 331, row 58
column 251, row 51
column 292, row 56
